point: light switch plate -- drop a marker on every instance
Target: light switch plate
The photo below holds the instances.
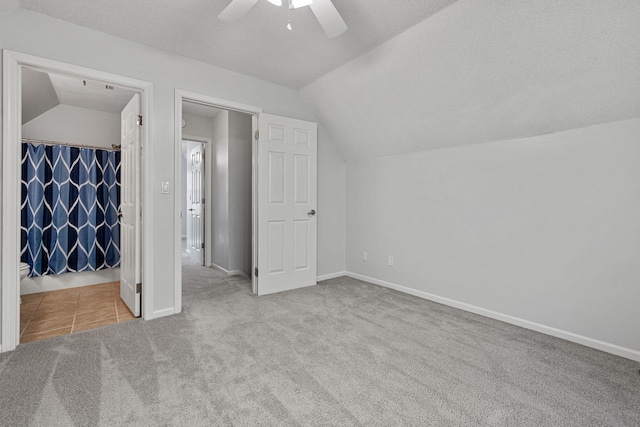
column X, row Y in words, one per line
column 165, row 187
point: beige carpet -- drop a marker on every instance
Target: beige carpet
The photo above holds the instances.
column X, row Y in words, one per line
column 341, row 353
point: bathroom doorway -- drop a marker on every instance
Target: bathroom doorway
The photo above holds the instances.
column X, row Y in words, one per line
column 79, row 136
column 71, row 210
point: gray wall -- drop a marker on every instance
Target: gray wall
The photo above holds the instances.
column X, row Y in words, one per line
column 197, row 126
column 332, row 227
column 231, row 185
column 220, row 190
column 544, row 229
column 240, row 162
column 74, row 125
column 38, row 94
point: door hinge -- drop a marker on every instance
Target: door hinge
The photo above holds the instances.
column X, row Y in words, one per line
column 202, row 245
column 257, row 135
column 139, row 122
column 203, row 200
column 138, row 288
column 256, row 272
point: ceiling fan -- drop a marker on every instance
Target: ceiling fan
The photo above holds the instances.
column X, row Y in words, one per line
column 327, row 14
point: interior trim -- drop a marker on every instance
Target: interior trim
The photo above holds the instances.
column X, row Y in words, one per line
column 548, row 330
column 12, row 62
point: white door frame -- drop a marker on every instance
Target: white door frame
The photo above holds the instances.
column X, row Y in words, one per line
column 13, row 62
column 180, row 97
column 207, row 193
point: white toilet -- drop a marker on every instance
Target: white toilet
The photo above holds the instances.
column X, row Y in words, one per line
column 24, row 270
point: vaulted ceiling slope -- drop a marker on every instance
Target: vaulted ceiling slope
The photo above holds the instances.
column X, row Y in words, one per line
column 259, row 45
column 38, row 94
column 486, row 70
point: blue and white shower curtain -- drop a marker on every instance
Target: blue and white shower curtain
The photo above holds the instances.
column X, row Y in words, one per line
column 70, row 201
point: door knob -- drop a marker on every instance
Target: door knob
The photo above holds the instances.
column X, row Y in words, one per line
column 311, row 212
column 191, row 210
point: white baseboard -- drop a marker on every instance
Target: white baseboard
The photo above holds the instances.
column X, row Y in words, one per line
column 239, row 273
column 217, row 267
column 229, row 272
column 548, row 330
column 54, row 282
column 161, row 313
column 331, row 276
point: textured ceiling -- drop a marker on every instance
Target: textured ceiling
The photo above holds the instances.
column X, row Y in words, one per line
column 258, row 45
column 486, row 70
column 8, row 6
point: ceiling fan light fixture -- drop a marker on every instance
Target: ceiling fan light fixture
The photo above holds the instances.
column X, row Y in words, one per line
column 324, row 10
column 300, row 3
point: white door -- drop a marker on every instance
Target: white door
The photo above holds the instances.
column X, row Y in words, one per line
column 195, row 203
column 130, row 230
column 287, row 196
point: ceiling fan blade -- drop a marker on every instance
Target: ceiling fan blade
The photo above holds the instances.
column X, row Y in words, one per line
column 329, row 17
column 236, row 10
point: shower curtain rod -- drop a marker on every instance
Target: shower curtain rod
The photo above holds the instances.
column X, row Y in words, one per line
column 95, row 147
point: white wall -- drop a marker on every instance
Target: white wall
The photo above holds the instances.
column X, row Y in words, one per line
column 240, row 163
column 38, row 94
column 61, row 41
column 220, row 190
column 75, row 125
column 197, row 126
column 545, row 229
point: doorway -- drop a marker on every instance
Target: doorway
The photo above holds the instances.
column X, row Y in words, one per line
column 194, row 225
column 202, row 119
column 216, row 188
column 94, row 220
column 71, row 220
column 283, row 196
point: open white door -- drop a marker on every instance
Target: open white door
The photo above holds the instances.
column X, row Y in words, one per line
column 130, row 208
column 287, row 197
column 195, row 201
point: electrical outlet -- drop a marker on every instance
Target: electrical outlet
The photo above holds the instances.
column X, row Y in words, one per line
column 390, row 262
column 364, row 256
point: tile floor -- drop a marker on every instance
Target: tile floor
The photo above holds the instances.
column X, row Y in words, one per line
column 49, row 314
